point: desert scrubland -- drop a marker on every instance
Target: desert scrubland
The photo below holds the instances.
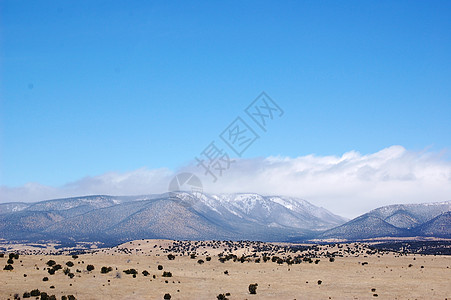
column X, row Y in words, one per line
column 155, row 269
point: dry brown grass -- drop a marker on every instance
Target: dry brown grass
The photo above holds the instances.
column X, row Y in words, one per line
column 346, row 278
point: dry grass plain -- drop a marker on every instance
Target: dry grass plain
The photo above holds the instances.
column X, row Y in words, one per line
column 385, row 276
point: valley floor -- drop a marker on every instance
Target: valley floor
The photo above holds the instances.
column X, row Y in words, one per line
column 354, row 272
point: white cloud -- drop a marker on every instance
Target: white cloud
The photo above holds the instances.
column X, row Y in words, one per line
column 348, row 185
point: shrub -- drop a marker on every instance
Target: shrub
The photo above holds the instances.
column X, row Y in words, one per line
column 51, row 271
column 167, row 274
column 57, row 267
column 160, row 267
column 70, row 264
column 193, row 256
column 8, row 268
column 167, row 296
column 26, row 295
column 145, row 273
column 35, row 292
column 208, row 258
column 74, row 256
column 45, row 279
column 331, row 259
column 253, row 288
column 319, row 282
column 10, row 261
column 66, row 271
column 51, row 263
column 171, row 257
column 222, row 297
column 131, row 271
column 2, row 255
column 105, row 270
column 89, row 267
column 200, row 261
column 71, row 297
column 44, row 296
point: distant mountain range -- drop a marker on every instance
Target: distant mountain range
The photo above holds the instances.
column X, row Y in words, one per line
column 402, row 220
column 172, row 215
column 183, row 215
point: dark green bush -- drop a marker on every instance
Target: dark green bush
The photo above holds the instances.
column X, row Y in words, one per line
column 145, row 273
column 131, row 271
column 70, row 264
column 160, row 267
column 171, row 257
column 51, row 262
column 8, row 267
column 89, row 268
column 167, row 296
column 253, row 288
column 167, row 274
column 26, row 295
column 35, row 292
column 105, row 270
column 44, row 296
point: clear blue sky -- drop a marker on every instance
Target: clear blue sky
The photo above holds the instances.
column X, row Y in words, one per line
column 89, row 87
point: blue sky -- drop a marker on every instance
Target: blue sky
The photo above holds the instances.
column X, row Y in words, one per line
column 90, row 87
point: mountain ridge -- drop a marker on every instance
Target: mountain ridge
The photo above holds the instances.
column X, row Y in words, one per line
column 184, row 215
column 180, row 215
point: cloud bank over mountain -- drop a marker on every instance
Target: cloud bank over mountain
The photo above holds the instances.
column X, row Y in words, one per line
column 347, row 185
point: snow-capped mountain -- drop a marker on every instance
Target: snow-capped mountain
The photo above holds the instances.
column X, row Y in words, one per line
column 401, row 220
column 183, row 215
column 180, row 215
